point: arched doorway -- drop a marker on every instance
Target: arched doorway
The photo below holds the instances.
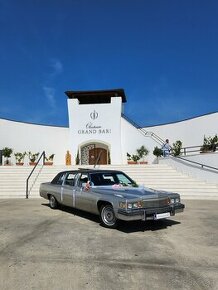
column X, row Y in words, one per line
column 95, row 153
column 98, row 156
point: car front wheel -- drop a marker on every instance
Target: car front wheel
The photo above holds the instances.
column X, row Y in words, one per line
column 107, row 216
column 53, row 202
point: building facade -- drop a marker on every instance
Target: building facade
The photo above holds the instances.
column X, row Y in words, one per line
column 99, row 132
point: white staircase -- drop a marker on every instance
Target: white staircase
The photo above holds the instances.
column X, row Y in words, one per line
column 157, row 176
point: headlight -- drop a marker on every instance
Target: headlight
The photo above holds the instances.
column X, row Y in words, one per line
column 174, row 200
column 133, row 205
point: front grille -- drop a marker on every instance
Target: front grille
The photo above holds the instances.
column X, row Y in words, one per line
column 155, row 203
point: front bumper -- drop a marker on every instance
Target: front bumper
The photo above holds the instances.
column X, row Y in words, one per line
column 149, row 213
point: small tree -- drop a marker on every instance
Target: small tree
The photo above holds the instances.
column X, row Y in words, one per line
column 157, row 152
column 142, row 152
column 177, row 146
column 6, row 152
column 209, row 144
column 214, row 143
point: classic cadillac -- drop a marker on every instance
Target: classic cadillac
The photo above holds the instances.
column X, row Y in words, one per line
column 110, row 194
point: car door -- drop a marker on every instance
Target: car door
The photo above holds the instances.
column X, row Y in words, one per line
column 80, row 196
column 57, row 186
column 68, row 190
column 85, row 199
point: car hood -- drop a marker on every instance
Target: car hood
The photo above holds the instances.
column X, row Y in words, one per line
column 130, row 192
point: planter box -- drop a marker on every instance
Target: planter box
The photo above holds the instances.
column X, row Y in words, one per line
column 48, row 163
column 20, row 164
column 143, row 162
column 32, row 163
column 132, row 162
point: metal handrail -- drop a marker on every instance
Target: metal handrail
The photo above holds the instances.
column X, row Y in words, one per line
column 27, row 180
column 186, row 150
column 198, row 163
column 143, row 131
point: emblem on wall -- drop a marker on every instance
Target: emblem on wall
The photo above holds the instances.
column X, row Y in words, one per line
column 94, row 115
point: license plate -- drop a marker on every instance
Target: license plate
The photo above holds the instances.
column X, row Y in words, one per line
column 162, row 215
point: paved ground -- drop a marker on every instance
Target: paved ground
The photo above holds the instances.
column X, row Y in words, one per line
column 42, row 249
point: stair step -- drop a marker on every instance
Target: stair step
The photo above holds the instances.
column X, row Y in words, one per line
column 157, row 176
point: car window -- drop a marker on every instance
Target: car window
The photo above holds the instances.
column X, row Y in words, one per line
column 110, row 179
column 123, row 179
column 58, row 179
column 83, row 178
column 103, row 179
column 69, row 179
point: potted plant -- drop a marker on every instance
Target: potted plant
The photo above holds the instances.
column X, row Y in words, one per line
column 19, row 156
column 157, row 152
column 142, row 152
column 6, row 152
column 209, row 144
column 214, row 143
column 206, row 145
column 49, row 159
column 130, row 158
column 33, row 157
column 135, row 158
column 177, row 146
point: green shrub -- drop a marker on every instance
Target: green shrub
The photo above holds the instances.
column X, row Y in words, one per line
column 177, row 146
column 157, row 152
column 209, row 144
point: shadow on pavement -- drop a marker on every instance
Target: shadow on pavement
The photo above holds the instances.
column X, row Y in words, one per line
column 123, row 226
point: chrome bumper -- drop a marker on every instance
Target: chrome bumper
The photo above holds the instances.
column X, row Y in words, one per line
column 148, row 214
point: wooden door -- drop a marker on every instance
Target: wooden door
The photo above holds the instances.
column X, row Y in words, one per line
column 96, row 153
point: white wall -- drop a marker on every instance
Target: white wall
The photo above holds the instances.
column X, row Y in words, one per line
column 122, row 137
column 35, row 138
column 191, row 132
column 132, row 139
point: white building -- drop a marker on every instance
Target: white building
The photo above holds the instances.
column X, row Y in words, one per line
column 99, row 131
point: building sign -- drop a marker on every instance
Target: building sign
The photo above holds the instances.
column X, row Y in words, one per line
column 94, row 115
column 91, row 128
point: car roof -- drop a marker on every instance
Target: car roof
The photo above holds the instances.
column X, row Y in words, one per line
column 90, row 170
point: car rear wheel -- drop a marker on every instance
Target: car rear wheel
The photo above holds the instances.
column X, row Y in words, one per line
column 107, row 216
column 53, row 202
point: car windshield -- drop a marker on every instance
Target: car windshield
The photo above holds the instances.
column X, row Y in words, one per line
column 111, row 178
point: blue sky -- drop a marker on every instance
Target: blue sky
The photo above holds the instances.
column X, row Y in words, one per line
column 163, row 53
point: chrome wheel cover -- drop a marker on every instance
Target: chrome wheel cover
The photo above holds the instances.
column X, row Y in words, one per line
column 108, row 216
column 52, row 202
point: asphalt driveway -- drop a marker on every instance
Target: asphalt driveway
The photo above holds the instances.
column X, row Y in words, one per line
column 66, row 249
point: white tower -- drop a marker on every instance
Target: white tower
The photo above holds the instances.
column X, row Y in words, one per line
column 95, row 126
